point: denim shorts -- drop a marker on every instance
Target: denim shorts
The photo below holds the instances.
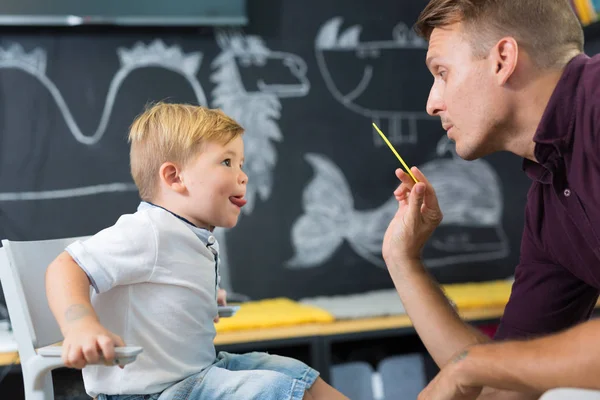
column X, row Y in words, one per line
column 250, row 376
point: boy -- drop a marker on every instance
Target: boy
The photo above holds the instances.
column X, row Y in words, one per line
column 155, row 274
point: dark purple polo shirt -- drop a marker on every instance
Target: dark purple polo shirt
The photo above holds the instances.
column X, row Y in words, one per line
column 558, row 276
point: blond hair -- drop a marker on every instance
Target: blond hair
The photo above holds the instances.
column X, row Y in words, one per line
column 548, row 30
column 176, row 133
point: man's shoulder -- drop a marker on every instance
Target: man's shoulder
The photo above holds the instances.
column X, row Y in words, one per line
column 589, row 82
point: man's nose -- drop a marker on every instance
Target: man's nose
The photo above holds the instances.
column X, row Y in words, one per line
column 435, row 103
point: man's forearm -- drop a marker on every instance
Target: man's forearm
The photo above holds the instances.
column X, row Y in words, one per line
column 440, row 328
column 567, row 359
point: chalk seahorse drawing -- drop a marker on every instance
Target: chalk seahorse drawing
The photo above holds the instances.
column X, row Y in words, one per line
column 246, row 91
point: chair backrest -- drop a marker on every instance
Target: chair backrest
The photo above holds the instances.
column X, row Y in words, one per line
column 22, row 274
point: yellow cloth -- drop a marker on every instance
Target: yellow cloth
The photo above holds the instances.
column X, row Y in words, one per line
column 479, row 294
column 272, row 313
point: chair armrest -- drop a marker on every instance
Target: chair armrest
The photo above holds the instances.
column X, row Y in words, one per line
column 571, row 393
column 49, row 358
column 123, row 355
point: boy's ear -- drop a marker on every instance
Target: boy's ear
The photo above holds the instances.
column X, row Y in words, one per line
column 170, row 175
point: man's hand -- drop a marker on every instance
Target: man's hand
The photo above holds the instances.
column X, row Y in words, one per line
column 86, row 341
column 447, row 385
column 221, row 301
column 417, row 217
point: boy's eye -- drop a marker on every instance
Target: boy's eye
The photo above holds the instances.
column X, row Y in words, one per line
column 226, row 162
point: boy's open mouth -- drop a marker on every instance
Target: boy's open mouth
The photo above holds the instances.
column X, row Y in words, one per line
column 238, row 201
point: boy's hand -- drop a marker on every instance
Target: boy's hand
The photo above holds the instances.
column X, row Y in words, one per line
column 221, row 301
column 86, row 342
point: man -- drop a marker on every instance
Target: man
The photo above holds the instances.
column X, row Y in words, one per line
column 510, row 75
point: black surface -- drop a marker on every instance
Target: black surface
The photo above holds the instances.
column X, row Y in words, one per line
column 39, row 152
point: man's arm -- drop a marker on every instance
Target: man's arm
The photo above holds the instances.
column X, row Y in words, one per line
column 442, row 331
column 566, row 359
column 438, row 325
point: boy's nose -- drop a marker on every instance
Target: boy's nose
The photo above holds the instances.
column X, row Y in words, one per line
column 243, row 178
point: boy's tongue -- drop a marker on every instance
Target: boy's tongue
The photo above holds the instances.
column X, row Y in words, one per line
column 237, row 201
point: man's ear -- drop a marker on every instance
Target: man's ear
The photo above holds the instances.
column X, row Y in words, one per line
column 504, row 56
column 170, row 176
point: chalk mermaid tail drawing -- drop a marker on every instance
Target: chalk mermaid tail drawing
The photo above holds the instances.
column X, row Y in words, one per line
column 244, row 91
column 469, row 194
column 330, row 218
column 342, row 56
column 155, row 54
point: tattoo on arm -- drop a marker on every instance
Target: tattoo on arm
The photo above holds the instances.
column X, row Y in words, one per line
column 461, row 356
column 76, row 311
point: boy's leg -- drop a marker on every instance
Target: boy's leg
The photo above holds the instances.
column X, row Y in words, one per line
column 322, row 390
column 269, row 362
column 218, row 383
column 293, row 368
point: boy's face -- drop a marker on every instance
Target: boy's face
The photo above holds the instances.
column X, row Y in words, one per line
column 216, row 185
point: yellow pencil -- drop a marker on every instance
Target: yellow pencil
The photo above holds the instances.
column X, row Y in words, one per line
column 396, row 153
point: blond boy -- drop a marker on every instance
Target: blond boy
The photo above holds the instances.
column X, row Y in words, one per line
column 155, row 274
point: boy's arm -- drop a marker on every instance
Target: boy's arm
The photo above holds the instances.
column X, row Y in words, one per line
column 68, row 292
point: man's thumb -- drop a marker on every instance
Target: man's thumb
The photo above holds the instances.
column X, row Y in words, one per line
column 415, row 200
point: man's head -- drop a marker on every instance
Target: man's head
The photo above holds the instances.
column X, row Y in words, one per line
column 188, row 159
column 483, row 53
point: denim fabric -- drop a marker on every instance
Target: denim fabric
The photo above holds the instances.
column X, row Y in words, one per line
column 251, row 376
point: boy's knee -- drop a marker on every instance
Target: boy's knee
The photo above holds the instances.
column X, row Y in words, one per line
column 264, row 384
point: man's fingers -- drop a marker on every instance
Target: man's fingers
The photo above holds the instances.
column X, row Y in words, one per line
column 431, row 200
column 419, row 175
column 404, row 178
column 415, row 201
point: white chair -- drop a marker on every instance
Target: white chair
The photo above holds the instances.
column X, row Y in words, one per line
column 22, row 275
column 571, row 394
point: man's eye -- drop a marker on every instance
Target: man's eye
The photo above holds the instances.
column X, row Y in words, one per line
column 226, row 162
column 442, row 74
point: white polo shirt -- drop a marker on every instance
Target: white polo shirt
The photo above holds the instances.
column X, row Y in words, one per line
column 156, row 282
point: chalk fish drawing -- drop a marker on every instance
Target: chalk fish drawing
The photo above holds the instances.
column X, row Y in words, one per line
column 469, row 194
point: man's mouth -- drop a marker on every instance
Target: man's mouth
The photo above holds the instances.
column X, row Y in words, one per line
column 238, row 201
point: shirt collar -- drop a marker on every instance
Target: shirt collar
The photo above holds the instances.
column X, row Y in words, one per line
column 203, row 234
column 553, row 137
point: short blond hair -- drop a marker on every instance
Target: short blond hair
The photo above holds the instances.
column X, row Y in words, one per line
column 548, row 30
column 176, row 133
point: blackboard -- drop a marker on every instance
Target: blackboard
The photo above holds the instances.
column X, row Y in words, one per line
column 306, row 79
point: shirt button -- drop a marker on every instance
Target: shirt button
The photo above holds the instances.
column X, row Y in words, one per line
column 567, row 192
column 210, row 240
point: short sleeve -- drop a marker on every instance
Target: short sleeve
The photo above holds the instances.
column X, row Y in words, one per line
column 122, row 254
column 545, row 297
